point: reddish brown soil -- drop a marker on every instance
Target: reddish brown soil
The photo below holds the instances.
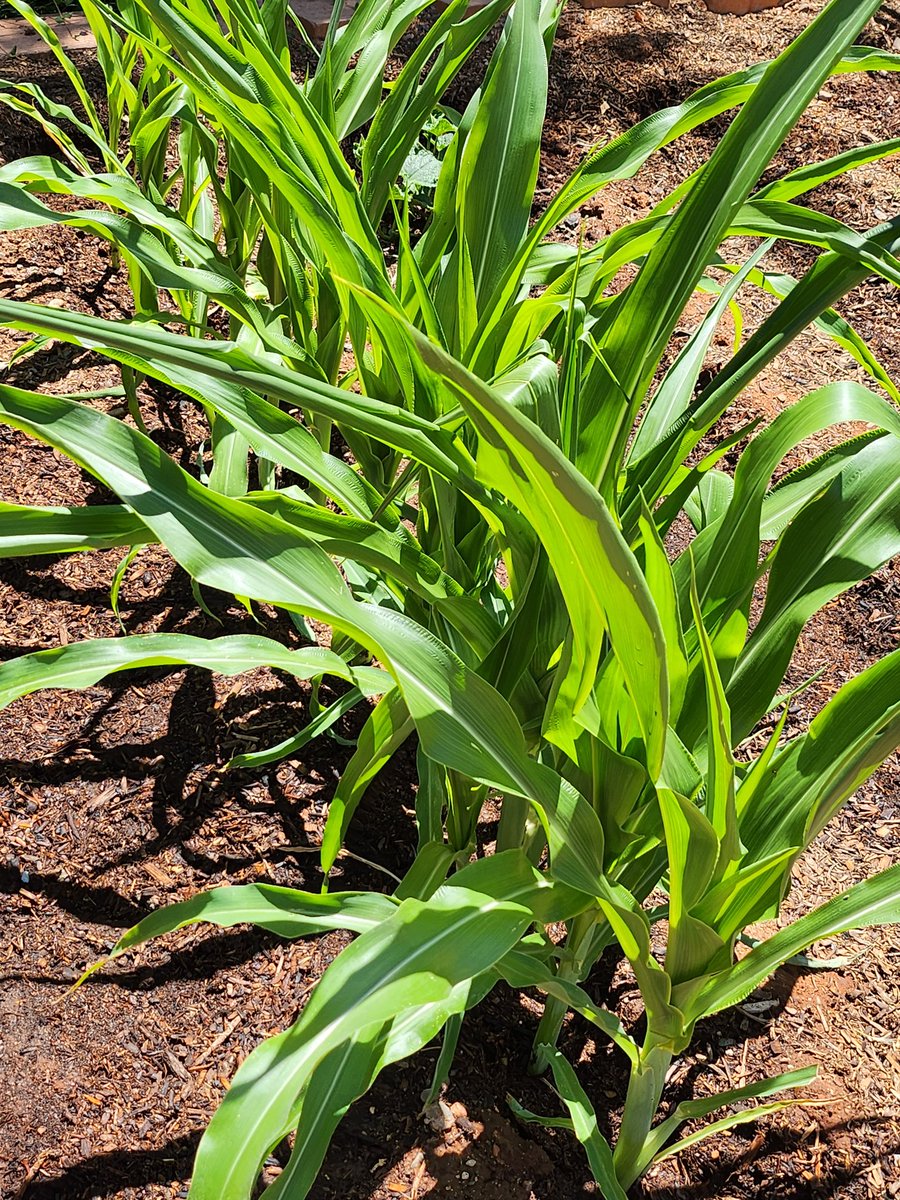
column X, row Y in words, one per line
column 113, row 800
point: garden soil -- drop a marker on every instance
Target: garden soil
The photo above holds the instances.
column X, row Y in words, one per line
column 114, row 801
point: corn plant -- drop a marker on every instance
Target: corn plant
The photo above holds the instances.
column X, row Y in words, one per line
column 506, row 408
column 438, row 945
column 219, row 230
column 215, row 203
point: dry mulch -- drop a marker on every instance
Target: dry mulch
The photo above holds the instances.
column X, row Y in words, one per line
column 113, row 801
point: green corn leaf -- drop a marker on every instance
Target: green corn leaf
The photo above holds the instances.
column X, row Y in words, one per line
column 531, row 387
column 26, row 529
column 359, row 96
column 433, row 799
column 83, row 664
column 709, row 503
column 149, row 135
column 797, row 488
column 48, row 35
column 636, row 339
column 661, row 584
column 286, row 911
column 680, row 771
column 403, row 113
column 118, row 579
column 412, row 287
column 743, row 897
column 693, row 850
column 845, row 535
column 461, row 721
column 833, row 325
column 320, row 724
column 519, row 331
column 253, row 94
column 336, row 1080
column 676, row 391
column 800, row 788
column 624, row 156
column 720, row 784
column 758, row 770
column 601, row 582
column 499, row 165
column 386, row 729
column 198, row 366
column 429, row 869
column 584, row 1125
column 394, row 553
column 832, row 277
column 791, row 222
column 394, row 1040
column 50, row 176
column 655, row 1149
column 20, row 210
column 425, row 955
column 334, row 1083
column 725, row 554
column 260, row 139
column 812, row 175
column 743, row 1116
column 631, row 926
column 521, row 970
column 41, row 109
column 533, row 1118
column 215, row 533
column 875, row 901
column 369, row 23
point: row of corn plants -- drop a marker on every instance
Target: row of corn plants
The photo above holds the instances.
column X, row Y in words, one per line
column 495, row 566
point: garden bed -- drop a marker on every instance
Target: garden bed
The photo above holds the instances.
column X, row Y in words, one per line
column 113, row 801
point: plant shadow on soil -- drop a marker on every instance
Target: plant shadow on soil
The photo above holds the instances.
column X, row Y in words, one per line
column 386, row 1129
